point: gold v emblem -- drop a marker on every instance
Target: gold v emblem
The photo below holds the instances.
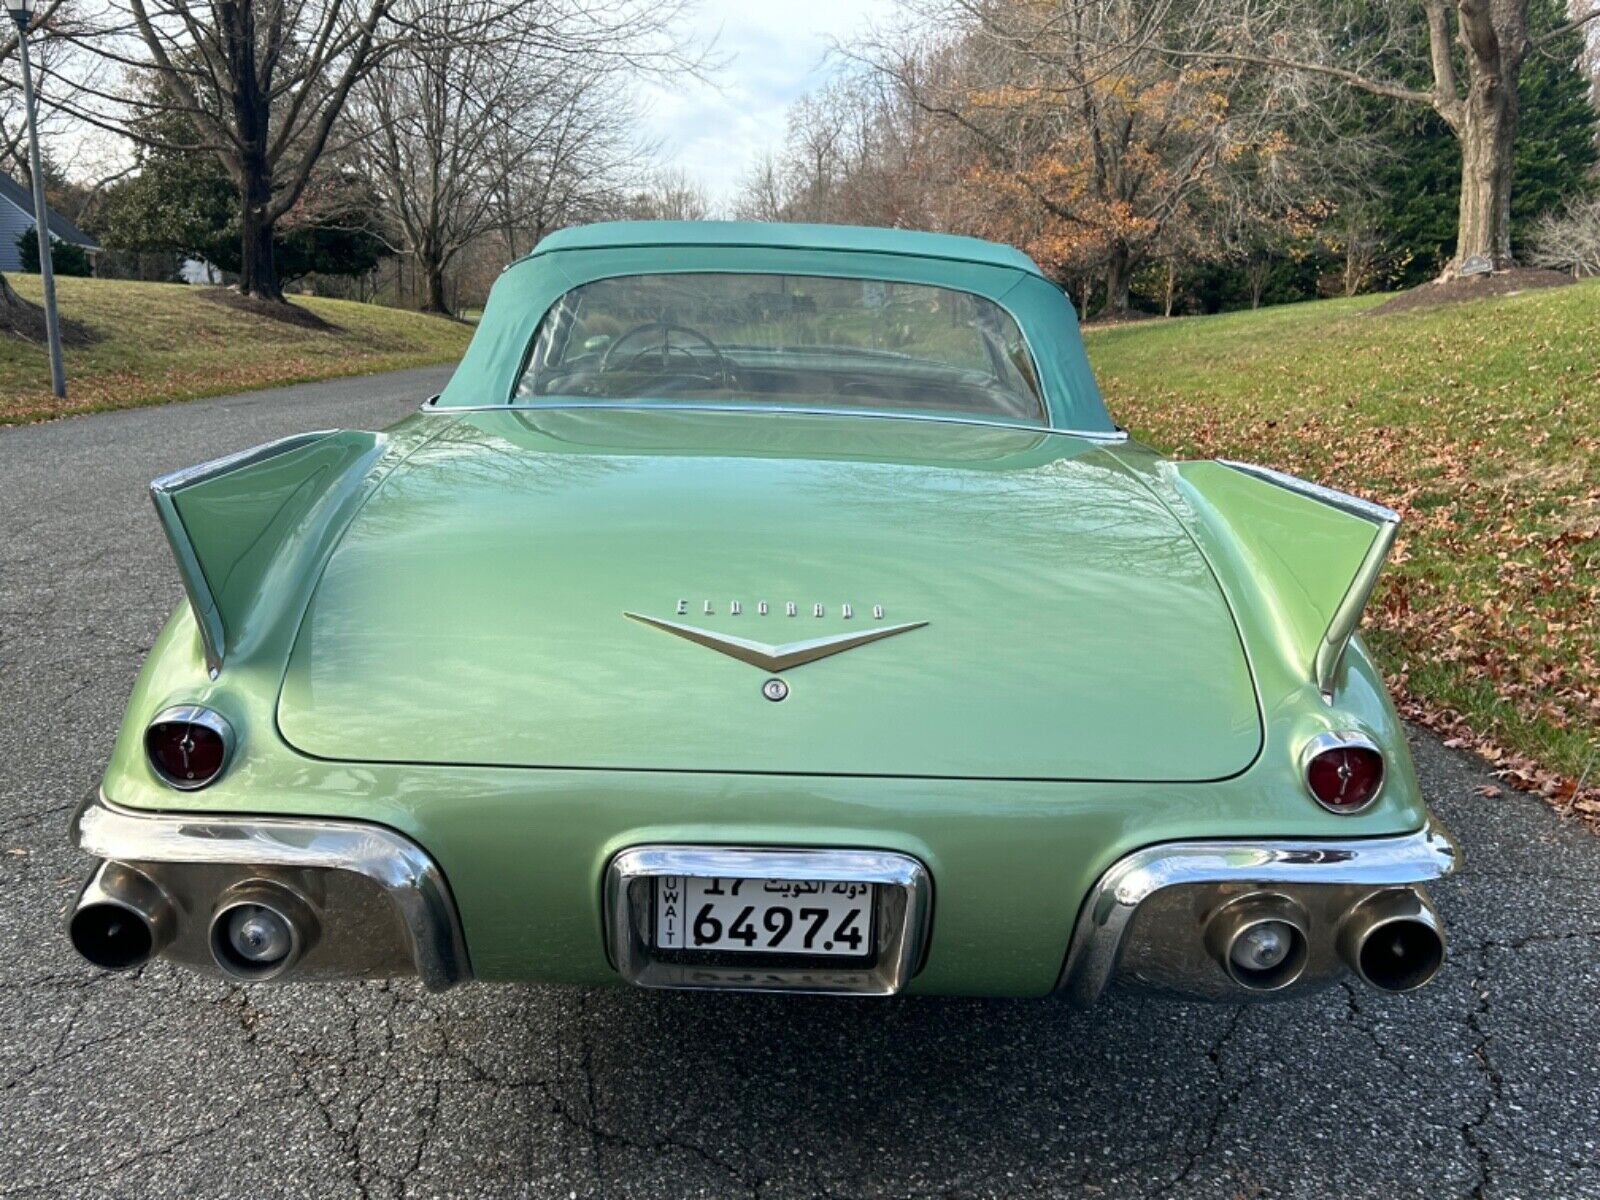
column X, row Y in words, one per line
column 780, row 657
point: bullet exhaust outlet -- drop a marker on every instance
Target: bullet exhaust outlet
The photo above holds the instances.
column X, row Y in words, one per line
column 122, row 919
column 1393, row 940
column 1260, row 940
column 260, row 930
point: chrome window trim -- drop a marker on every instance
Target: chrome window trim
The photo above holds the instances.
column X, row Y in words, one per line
column 192, row 714
column 1110, row 436
column 1347, row 617
column 407, row 874
column 213, row 638
column 997, row 301
column 1108, row 911
column 1336, row 739
column 900, row 947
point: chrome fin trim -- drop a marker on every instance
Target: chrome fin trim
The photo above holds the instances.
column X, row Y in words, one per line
column 1347, row 616
column 163, row 488
column 1097, row 938
column 1354, row 505
column 407, row 874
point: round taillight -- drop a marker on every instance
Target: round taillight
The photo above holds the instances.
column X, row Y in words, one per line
column 188, row 746
column 1343, row 771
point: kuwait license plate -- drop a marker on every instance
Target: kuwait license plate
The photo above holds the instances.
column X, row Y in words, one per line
column 764, row 916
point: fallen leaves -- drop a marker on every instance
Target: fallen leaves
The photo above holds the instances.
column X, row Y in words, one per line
column 1481, row 426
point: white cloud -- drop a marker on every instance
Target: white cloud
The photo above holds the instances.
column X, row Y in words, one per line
column 775, row 52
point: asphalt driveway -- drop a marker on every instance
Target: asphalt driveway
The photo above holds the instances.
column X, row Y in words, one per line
column 168, row 1084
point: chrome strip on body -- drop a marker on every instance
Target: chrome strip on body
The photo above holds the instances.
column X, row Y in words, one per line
column 905, row 900
column 1347, row 616
column 408, row 876
column 162, row 489
column 1109, row 910
column 1115, row 436
column 210, row 469
column 1354, row 505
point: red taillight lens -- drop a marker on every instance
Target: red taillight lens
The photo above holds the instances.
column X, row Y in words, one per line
column 1345, row 778
column 187, row 747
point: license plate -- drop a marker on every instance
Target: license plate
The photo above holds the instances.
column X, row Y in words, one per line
column 764, row 916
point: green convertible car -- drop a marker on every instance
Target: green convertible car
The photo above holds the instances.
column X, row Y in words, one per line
column 765, row 607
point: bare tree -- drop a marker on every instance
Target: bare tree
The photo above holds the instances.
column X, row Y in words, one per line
column 1569, row 240
column 761, row 192
column 1472, row 52
column 858, row 151
column 669, row 195
column 586, row 156
column 489, row 98
column 261, row 84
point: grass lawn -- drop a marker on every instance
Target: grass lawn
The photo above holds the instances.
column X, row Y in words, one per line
column 1480, row 423
column 161, row 341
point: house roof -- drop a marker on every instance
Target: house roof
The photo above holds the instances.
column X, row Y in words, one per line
column 60, row 228
column 858, row 238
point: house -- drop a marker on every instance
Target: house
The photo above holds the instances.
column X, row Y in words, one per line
column 16, row 219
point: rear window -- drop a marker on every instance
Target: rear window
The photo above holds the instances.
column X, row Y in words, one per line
column 788, row 340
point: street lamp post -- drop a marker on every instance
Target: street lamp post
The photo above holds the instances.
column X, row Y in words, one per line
column 22, row 13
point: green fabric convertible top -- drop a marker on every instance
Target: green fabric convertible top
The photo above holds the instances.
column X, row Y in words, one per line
column 610, row 235
column 488, row 372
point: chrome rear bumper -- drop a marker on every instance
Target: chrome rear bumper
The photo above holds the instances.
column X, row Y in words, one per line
column 395, row 912
column 1145, row 923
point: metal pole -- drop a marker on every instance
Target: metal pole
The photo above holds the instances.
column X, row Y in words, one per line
column 41, row 215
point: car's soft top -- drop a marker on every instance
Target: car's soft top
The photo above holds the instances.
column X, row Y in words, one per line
column 526, row 290
column 613, row 235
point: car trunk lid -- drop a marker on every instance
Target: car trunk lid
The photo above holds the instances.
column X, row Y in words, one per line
column 1063, row 624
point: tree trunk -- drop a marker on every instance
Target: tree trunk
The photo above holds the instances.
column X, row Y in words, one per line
column 1494, row 42
column 432, row 272
column 1256, row 273
column 258, row 269
column 1118, row 278
column 252, row 113
column 1488, row 135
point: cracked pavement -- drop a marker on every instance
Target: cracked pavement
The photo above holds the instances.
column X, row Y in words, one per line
column 165, row 1083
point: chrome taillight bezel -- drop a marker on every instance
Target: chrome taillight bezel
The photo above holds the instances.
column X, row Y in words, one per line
column 190, row 714
column 1342, row 739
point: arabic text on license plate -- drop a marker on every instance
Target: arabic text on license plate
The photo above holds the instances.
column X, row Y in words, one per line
column 764, row 916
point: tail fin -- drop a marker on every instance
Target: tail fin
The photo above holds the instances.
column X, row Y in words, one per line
column 235, row 523
column 1312, row 553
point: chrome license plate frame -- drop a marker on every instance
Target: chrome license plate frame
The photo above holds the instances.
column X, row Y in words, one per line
column 900, row 906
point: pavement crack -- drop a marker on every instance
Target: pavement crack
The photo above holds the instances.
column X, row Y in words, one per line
column 1473, row 1129
column 1358, row 1018
column 588, row 1122
column 1227, row 1095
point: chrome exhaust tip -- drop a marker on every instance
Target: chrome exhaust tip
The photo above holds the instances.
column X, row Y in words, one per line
column 1393, row 940
column 1260, row 940
column 122, row 918
column 260, row 930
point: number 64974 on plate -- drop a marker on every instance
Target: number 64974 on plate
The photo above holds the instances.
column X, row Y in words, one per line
column 764, row 916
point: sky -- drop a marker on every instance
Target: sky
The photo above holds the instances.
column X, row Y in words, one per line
column 775, row 51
